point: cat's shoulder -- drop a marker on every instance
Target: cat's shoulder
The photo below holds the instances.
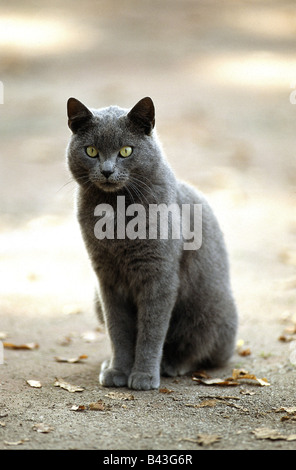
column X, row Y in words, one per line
column 187, row 193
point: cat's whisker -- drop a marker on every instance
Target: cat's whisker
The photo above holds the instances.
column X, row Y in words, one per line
column 130, row 193
column 71, row 180
column 138, row 193
column 143, row 187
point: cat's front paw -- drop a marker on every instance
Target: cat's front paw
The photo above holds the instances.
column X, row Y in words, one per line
column 143, row 381
column 110, row 377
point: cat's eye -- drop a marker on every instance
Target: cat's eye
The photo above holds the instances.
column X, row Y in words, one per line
column 125, row 151
column 91, row 151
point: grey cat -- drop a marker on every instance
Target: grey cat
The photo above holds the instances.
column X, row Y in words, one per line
column 167, row 310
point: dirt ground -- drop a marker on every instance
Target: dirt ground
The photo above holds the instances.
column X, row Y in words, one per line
column 222, row 77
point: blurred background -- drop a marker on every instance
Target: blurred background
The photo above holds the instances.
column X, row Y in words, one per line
column 221, row 74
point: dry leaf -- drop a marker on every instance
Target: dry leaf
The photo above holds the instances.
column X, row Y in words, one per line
column 288, row 418
column 247, row 392
column 243, row 374
column 211, row 402
column 78, row 408
column 42, row 427
column 16, row 443
column 201, row 374
column 289, row 410
column 91, row 336
column 165, row 390
column 207, row 439
column 286, row 338
column 237, row 374
column 96, row 406
column 65, row 385
column 34, row 383
column 120, row 396
column 244, row 352
column 291, row 416
column 273, row 434
column 21, row 346
column 241, row 350
column 215, row 381
column 203, row 439
column 72, row 360
column 99, row 406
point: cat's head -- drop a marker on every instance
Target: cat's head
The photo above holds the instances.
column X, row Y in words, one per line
column 110, row 147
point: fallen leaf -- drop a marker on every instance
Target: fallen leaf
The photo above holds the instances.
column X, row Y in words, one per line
column 16, row 443
column 72, row 360
column 120, row 396
column 288, row 418
column 42, row 427
column 237, row 374
column 91, row 336
column 21, row 346
column 291, row 416
column 99, row 406
column 203, row 439
column 247, row 392
column 272, row 434
column 78, row 408
column 96, row 406
column 65, row 385
column 289, row 410
column 215, row 381
column 241, row 350
column 207, row 439
column 243, row 374
column 244, row 352
column 211, row 402
column 200, row 374
column 165, row 390
column 34, row 383
column 286, row 338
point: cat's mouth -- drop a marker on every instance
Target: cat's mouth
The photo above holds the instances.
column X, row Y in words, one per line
column 109, row 186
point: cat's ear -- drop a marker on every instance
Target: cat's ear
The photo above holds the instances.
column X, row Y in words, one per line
column 142, row 115
column 78, row 115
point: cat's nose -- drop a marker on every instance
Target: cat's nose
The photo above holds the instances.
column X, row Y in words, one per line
column 107, row 173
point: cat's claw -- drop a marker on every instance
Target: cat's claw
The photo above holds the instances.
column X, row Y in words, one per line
column 143, row 381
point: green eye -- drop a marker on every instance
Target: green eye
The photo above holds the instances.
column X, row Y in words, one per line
column 91, row 151
column 126, row 151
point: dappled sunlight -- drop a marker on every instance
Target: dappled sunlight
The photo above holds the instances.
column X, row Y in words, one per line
column 39, row 35
column 263, row 70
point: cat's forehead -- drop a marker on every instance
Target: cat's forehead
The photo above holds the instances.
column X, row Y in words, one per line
column 109, row 124
column 109, row 115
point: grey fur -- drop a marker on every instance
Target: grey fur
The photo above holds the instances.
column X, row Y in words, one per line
column 167, row 310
